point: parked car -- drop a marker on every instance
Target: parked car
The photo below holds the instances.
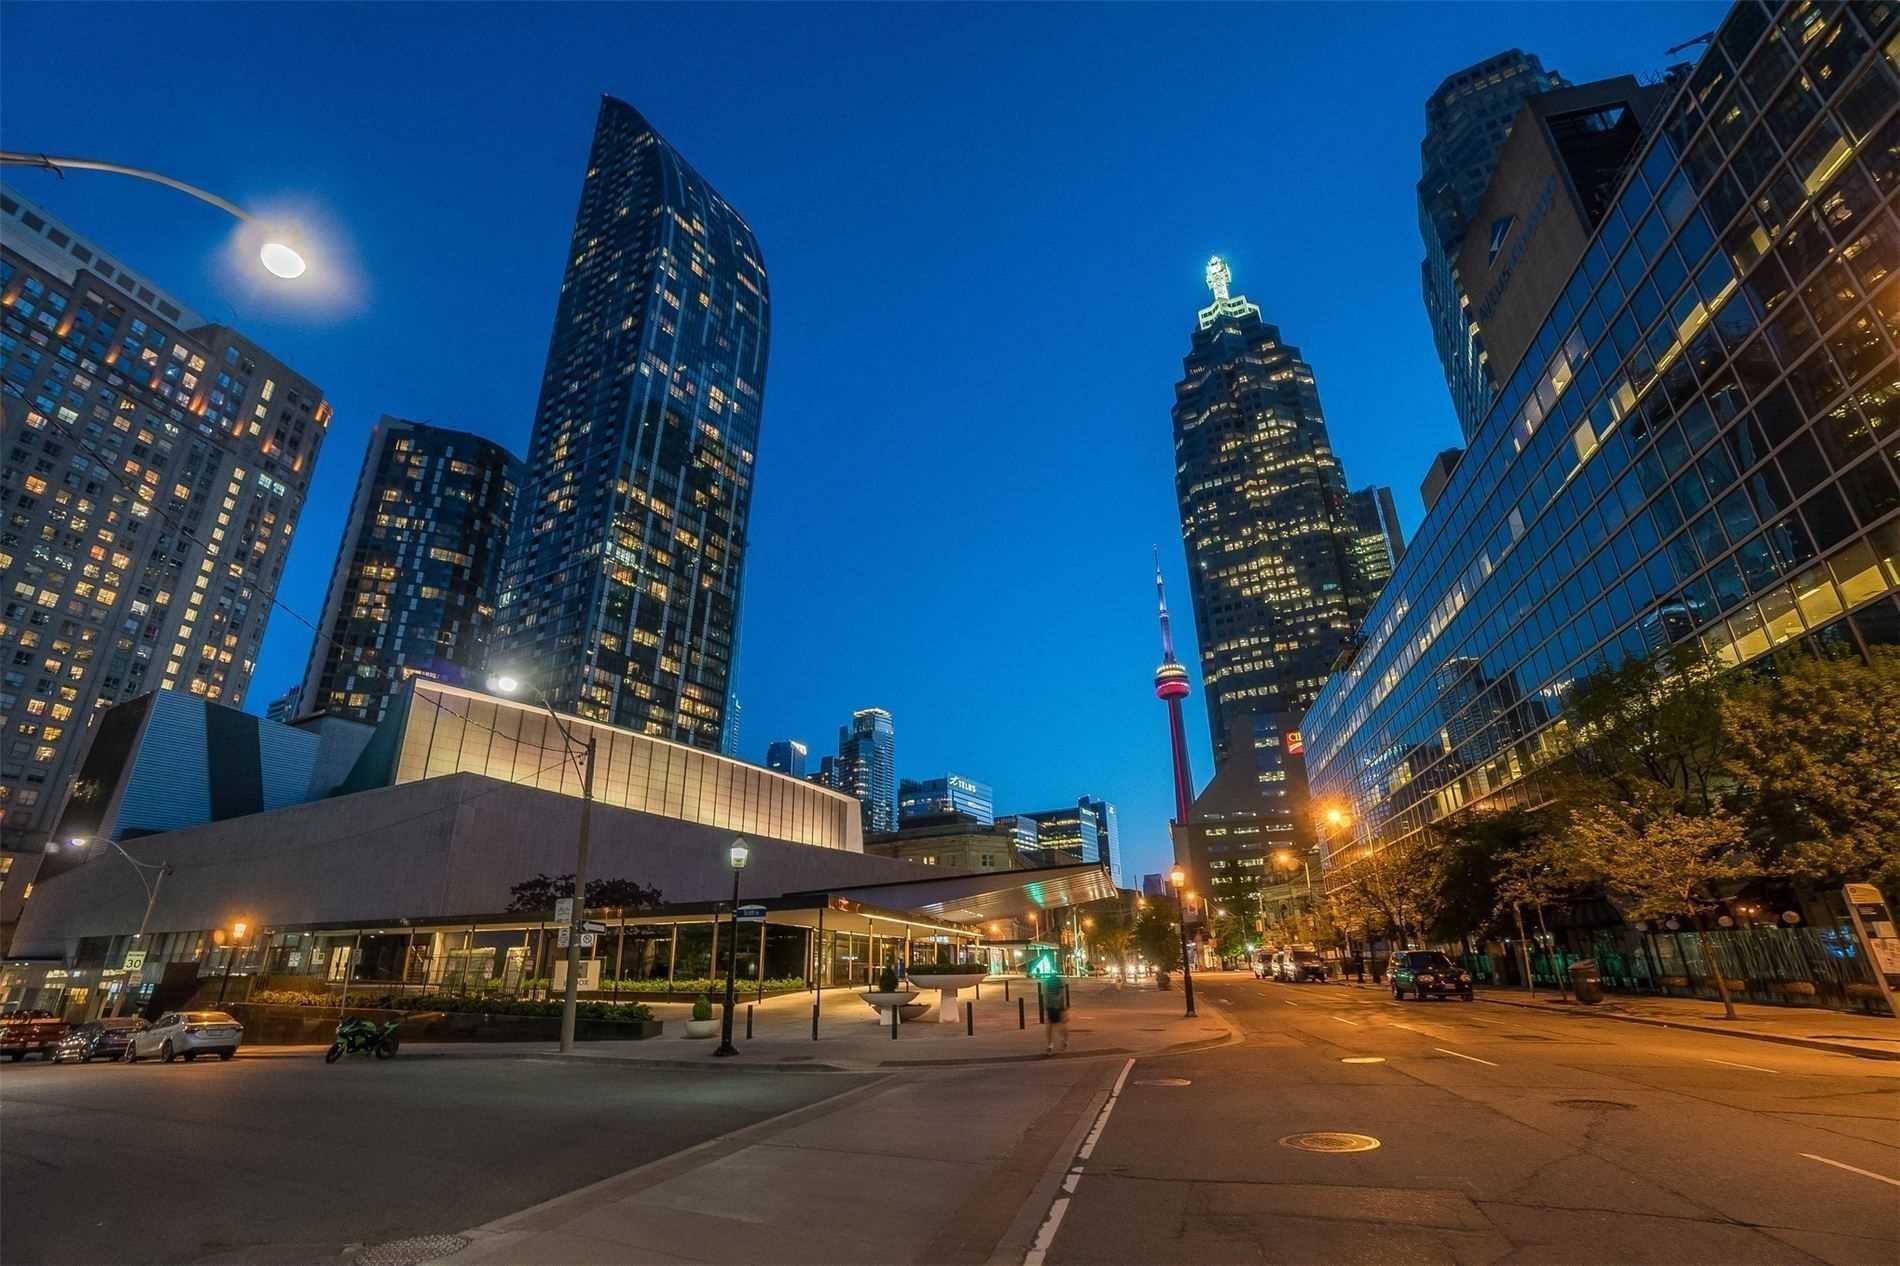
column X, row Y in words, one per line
column 24, row 1033
column 97, row 1039
column 188, row 1034
column 1295, row 966
column 1263, row 964
column 1427, row 974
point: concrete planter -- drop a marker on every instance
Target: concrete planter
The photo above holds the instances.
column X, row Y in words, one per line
column 702, row 1028
column 882, row 1002
column 946, row 984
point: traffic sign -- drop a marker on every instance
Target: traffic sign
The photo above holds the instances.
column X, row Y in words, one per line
column 564, row 938
column 751, row 914
column 134, row 960
column 564, row 910
column 591, row 926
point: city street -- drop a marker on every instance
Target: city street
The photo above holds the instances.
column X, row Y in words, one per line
column 278, row 1158
column 1502, row 1135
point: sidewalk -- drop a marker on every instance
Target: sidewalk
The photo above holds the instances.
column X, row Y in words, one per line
column 1105, row 1021
column 933, row 1162
column 1867, row 1036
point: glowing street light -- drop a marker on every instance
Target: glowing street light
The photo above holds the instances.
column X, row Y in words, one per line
column 1178, row 877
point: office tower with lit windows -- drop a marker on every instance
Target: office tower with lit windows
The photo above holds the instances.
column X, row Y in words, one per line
column 414, row 589
column 1265, row 518
column 283, row 709
column 866, row 767
column 1378, row 542
column 1467, row 118
column 787, row 756
column 621, row 590
column 154, row 468
column 1696, row 447
column 920, row 798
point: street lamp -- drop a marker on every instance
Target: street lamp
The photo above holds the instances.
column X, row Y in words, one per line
column 737, row 856
column 233, row 941
column 1178, row 877
column 570, row 996
column 151, row 897
column 279, row 258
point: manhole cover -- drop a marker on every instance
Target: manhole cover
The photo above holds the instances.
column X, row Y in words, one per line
column 1163, row 1081
column 1594, row 1105
column 417, row 1248
column 1363, row 1059
column 1329, row 1141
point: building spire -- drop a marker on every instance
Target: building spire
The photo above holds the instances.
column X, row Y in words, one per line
column 1219, row 277
column 1161, row 594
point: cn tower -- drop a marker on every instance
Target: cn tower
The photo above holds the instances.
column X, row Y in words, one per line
column 1171, row 686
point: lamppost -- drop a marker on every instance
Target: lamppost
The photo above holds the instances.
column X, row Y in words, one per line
column 151, row 897
column 233, row 942
column 278, row 257
column 737, row 856
column 1178, row 877
column 582, row 754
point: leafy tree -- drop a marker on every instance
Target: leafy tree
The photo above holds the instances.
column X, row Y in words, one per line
column 1815, row 752
column 1656, row 721
column 1385, row 890
column 1657, row 858
column 1158, row 935
column 539, row 894
column 1113, row 941
column 1229, row 935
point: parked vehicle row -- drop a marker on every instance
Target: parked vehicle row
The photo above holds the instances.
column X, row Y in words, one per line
column 174, row 1035
column 1294, row 966
column 1419, row 974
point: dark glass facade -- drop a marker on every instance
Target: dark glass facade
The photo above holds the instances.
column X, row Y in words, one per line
column 1378, row 541
column 416, row 583
column 934, row 797
column 787, row 756
column 866, row 767
column 1467, row 118
column 1700, row 444
column 621, row 591
column 154, row 467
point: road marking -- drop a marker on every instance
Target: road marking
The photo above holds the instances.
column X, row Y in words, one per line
column 1753, row 1068
column 1852, row 1169
column 1046, row 1235
column 1289, row 1002
column 1343, row 1020
column 1473, row 1058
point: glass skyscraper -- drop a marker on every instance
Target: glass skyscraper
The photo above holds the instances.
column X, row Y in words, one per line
column 414, row 590
column 1466, row 120
column 934, row 797
column 787, row 756
column 867, row 767
column 622, row 585
column 1378, row 541
column 1701, row 442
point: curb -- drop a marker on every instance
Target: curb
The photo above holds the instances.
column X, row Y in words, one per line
column 1753, row 1035
column 699, row 1066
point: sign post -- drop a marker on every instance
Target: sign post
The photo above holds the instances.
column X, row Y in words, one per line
column 1874, row 925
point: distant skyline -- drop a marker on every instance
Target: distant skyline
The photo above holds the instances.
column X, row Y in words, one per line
column 984, row 230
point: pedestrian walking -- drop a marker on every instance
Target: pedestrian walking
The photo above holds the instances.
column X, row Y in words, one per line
column 1055, row 1011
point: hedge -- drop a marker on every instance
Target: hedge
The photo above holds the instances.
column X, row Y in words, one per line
column 625, row 1011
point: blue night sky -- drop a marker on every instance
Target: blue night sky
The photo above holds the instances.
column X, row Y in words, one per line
column 984, row 227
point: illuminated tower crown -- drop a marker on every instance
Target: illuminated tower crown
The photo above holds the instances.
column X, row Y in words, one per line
column 1171, row 679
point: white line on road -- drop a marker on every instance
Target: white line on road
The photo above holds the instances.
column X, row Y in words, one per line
column 1289, row 1002
column 1473, row 1058
column 1343, row 1020
column 1046, row 1236
column 1753, row 1068
column 1852, row 1169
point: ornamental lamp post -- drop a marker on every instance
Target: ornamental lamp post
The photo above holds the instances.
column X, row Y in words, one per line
column 1178, row 877
column 737, row 855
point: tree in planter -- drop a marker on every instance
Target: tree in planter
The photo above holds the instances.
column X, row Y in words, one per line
column 1813, row 750
column 1659, row 859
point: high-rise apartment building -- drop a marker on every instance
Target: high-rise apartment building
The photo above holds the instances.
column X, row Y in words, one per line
column 283, row 709
column 867, row 767
column 919, row 798
column 415, row 586
column 154, row 465
column 1265, row 519
column 622, row 584
column 1108, row 832
column 1467, row 118
column 1699, row 444
column 787, row 756
column 1378, row 541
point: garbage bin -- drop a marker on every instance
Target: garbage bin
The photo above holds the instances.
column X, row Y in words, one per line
column 1584, row 981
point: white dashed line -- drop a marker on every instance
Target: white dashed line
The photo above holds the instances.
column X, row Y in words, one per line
column 1852, row 1169
column 1753, row 1068
column 1473, row 1058
column 1343, row 1020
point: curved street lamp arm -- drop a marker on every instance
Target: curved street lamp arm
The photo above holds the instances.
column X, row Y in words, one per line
column 59, row 163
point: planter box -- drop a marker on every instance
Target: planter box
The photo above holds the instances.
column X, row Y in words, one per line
column 316, row 1026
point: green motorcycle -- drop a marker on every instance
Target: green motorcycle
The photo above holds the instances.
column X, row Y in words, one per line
column 360, row 1037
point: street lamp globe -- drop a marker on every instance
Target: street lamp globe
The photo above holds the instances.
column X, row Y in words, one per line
column 503, row 684
column 282, row 261
column 738, row 853
column 1177, row 877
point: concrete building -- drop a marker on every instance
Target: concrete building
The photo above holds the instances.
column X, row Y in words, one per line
column 959, row 841
column 154, row 466
column 418, row 577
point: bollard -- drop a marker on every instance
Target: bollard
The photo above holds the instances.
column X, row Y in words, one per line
column 979, row 989
column 893, row 1024
column 1022, row 1021
column 1040, row 1017
column 748, row 1022
column 969, row 1019
column 1006, row 989
column 814, row 1022
column 1065, row 995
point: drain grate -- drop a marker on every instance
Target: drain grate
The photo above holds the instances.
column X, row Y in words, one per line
column 417, row 1248
column 1331, row 1141
column 1595, row 1105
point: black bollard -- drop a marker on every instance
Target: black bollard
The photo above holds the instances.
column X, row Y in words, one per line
column 1022, row 1021
column 1005, row 989
column 893, row 1024
column 814, row 1022
column 1041, row 1018
column 969, row 1019
column 748, row 1022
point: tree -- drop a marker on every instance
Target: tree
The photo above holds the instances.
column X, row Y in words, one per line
column 1112, row 941
column 1655, row 720
column 1387, row 888
column 533, row 896
column 1815, row 753
column 1228, row 932
column 1486, row 864
column 1159, row 936
column 1658, row 859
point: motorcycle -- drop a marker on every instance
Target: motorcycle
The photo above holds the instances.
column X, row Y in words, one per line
column 360, row 1037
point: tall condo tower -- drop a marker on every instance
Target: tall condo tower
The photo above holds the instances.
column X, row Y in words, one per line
column 620, row 596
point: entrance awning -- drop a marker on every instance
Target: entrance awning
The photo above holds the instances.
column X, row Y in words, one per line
column 976, row 898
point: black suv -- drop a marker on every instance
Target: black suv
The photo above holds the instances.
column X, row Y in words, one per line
column 1428, row 974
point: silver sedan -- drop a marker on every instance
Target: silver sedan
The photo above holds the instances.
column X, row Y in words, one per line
column 188, row 1034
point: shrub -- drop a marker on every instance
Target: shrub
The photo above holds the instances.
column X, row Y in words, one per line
column 949, row 969
column 887, row 980
column 702, row 1007
column 625, row 1012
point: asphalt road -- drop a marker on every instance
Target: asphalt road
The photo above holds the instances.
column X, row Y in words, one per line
column 271, row 1158
column 1502, row 1136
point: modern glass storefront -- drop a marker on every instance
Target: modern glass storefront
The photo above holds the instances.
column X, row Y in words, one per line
column 1700, row 444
